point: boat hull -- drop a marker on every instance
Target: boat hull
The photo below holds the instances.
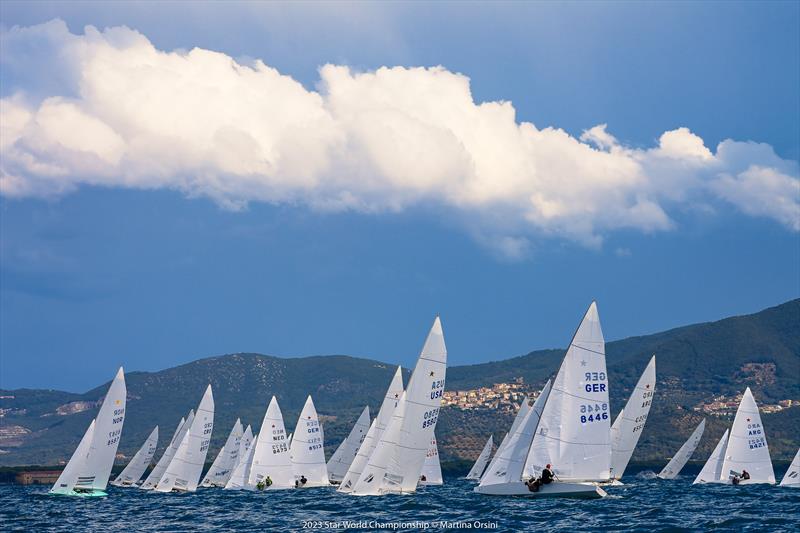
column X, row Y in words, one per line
column 82, row 494
column 551, row 490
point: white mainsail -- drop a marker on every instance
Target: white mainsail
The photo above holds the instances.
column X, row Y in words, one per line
column 132, row 473
column 483, row 459
column 628, row 426
column 344, row 455
column 747, row 446
column 371, row 478
column 431, row 469
column 241, row 473
column 244, row 444
column 396, row 464
column 95, row 466
column 69, row 476
column 792, row 476
column 390, row 401
column 161, row 466
column 271, row 457
column 307, row 448
column 574, row 432
column 183, row 472
column 683, row 455
column 223, row 465
column 508, row 463
column 712, row 470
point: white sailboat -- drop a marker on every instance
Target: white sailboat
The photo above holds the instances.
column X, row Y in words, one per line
column 241, row 473
column 683, row 455
column 307, row 449
column 271, row 457
column 344, row 455
column 89, row 468
column 132, row 473
column 508, row 464
column 431, row 469
column 161, row 466
column 574, row 433
column 792, row 476
column 390, row 402
column 628, row 426
column 223, row 465
column 747, row 446
column 712, row 470
column 396, row 463
column 183, row 472
column 477, row 469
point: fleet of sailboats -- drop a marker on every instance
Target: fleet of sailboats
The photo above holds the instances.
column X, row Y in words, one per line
column 566, row 430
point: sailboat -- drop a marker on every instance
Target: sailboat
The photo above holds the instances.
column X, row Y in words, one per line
column 477, row 469
column 683, row 455
column 574, row 432
column 307, row 449
column 132, row 473
column 792, row 476
column 628, row 426
column 161, row 466
column 241, row 473
column 223, row 465
column 396, row 463
column 344, row 455
column 745, row 450
column 431, row 469
column 390, row 402
column 89, row 468
column 183, row 472
column 508, row 464
column 271, row 455
column 712, row 470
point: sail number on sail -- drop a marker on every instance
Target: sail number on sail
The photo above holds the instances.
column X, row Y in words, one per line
column 598, row 412
column 437, row 388
column 430, row 417
column 595, row 376
column 755, row 436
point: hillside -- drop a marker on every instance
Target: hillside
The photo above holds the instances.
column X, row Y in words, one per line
column 694, row 364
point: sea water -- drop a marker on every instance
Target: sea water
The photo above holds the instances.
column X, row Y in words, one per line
column 641, row 504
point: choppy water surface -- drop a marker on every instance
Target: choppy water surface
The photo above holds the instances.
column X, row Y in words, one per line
column 640, row 505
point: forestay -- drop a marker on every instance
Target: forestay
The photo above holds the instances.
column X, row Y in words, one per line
column 574, row 432
column 628, row 426
column 271, row 456
column 344, row 455
column 483, row 459
column 792, row 476
column 183, row 472
column 683, row 455
column 307, row 448
column 747, row 446
column 223, row 465
column 390, row 401
column 431, row 469
column 162, row 464
column 712, row 470
column 132, row 473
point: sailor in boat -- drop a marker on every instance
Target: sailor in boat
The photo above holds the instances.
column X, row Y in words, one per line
column 423, row 478
column 264, row 483
column 546, row 477
column 300, row 482
column 738, row 478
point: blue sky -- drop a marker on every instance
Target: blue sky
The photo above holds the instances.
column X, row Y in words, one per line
column 152, row 273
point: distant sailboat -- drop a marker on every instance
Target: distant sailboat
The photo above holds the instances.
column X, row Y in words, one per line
column 712, row 470
column 222, row 467
column 683, row 455
column 508, row 464
column 390, row 402
column 431, row 469
column 396, row 463
column 792, row 476
column 344, row 455
column 477, row 469
column 132, row 473
column 183, row 472
column 271, row 457
column 241, row 473
column 161, row 466
column 307, row 449
column 89, row 468
column 573, row 434
column 628, row 426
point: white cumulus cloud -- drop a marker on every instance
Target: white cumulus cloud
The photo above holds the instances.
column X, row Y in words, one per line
column 125, row 114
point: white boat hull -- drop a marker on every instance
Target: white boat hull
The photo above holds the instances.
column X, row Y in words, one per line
column 556, row 489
